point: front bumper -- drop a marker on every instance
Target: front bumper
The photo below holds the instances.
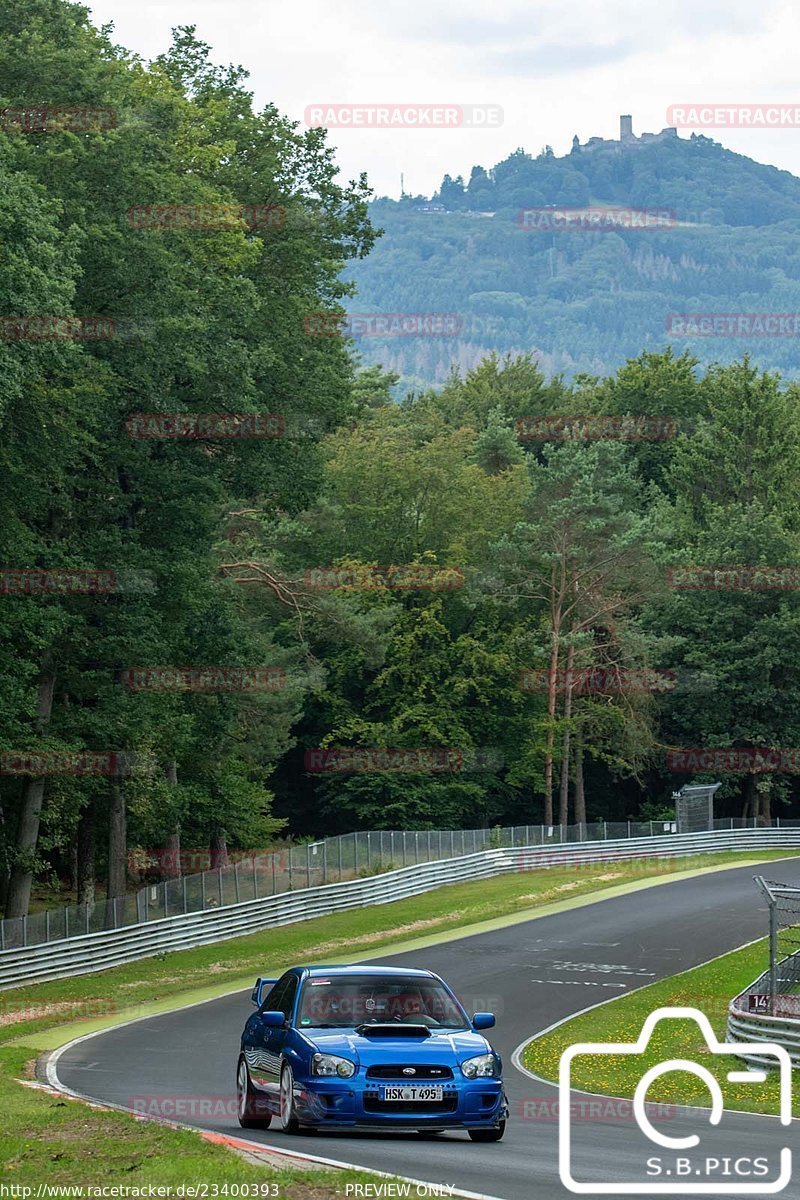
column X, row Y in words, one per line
column 467, row 1104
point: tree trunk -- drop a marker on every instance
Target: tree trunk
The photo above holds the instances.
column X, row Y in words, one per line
column 117, row 843
column 73, row 865
column 766, row 808
column 749, row 805
column 5, row 869
column 552, row 685
column 580, row 795
column 19, row 886
column 563, row 801
column 172, row 868
column 219, row 850
column 86, row 855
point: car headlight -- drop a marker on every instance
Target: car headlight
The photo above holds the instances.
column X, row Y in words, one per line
column 331, row 1064
column 480, row 1067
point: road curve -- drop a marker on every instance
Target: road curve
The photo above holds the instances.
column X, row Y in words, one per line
column 532, row 974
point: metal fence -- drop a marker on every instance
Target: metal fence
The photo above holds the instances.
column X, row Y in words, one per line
column 85, row 953
column 769, row 1009
column 333, row 860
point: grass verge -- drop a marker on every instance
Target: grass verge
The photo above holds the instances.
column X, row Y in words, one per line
column 59, row 1141
column 708, row 988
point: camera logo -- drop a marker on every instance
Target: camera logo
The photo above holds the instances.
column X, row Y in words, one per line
column 720, row 1170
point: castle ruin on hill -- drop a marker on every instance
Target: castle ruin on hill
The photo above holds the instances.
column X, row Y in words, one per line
column 627, row 138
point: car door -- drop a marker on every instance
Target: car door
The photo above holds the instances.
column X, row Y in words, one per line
column 280, row 999
column 264, row 1071
column 276, row 1037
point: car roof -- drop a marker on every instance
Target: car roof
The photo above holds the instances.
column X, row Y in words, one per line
column 358, row 969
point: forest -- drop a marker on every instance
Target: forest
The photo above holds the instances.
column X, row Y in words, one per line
column 584, row 300
column 251, row 588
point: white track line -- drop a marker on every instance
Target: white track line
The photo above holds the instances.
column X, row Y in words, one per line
column 51, row 1071
column 516, row 1056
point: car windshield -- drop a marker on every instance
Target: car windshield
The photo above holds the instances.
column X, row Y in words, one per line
column 341, row 1002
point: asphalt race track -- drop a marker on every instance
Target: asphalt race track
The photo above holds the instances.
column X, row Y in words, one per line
column 532, row 975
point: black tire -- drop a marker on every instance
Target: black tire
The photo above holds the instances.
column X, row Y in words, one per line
column 488, row 1135
column 288, row 1116
column 249, row 1114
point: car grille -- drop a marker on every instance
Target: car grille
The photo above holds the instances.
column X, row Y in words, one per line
column 421, row 1071
column 373, row 1103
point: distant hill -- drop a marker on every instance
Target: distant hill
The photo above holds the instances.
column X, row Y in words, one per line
column 585, row 299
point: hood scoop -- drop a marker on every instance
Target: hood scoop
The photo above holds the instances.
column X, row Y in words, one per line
column 392, row 1029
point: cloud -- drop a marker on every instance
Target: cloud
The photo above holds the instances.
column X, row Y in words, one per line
column 537, row 62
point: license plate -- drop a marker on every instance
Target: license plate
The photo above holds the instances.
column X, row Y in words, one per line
column 412, row 1091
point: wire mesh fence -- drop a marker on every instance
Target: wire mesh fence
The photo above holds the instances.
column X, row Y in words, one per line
column 257, row 875
column 777, row 992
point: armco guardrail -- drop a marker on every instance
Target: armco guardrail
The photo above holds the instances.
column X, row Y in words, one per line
column 768, row 1010
column 97, row 951
column 251, row 875
column 744, row 1026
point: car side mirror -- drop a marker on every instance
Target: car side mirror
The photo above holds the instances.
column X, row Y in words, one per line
column 483, row 1021
column 273, row 1018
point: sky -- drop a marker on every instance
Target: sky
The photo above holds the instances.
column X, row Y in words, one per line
column 546, row 68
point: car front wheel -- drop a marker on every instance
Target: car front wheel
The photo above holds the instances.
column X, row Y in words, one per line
column 250, row 1117
column 289, row 1121
column 488, row 1135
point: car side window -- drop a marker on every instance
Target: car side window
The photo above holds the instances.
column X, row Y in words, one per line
column 287, row 1000
column 274, row 998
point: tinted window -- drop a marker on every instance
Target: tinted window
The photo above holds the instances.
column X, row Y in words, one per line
column 349, row 1000
column 274, row 998
column 287, row 1000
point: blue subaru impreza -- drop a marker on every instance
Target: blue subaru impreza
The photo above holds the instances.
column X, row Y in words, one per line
column 368, row 1047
